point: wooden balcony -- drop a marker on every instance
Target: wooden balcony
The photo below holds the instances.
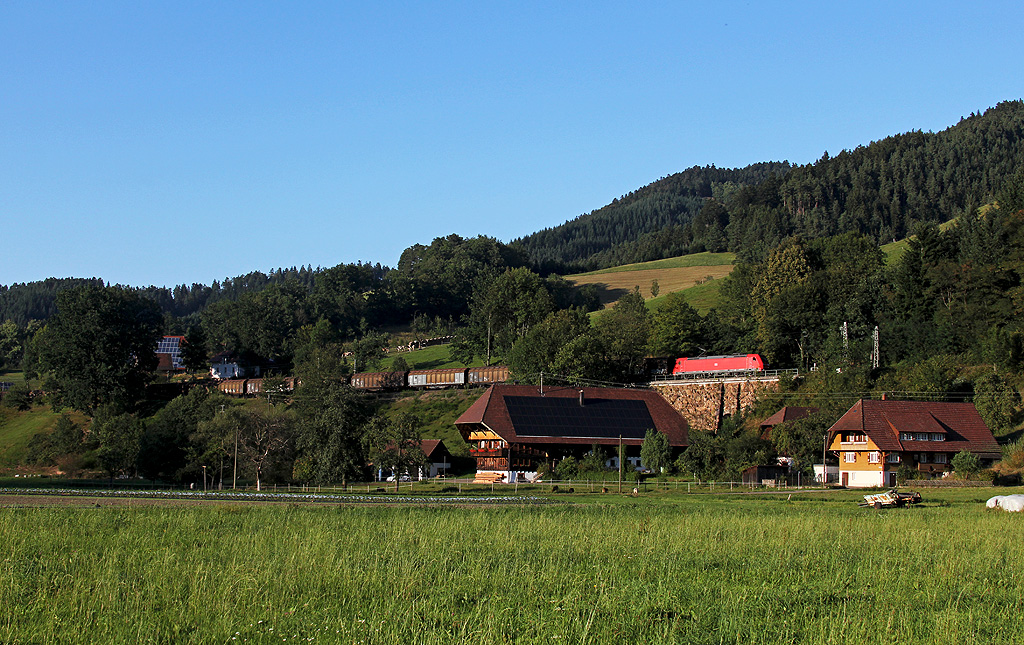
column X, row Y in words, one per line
column 488, row 452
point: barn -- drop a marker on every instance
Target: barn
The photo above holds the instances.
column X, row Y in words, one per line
column 513, row 429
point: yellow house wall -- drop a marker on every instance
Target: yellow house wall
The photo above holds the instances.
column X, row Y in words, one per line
column 861, row 472
column 862, row 450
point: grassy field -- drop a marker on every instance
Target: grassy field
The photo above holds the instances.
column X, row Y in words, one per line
column 428, row 358
column 438, row 412
column 681, row 262
column 703, row 297
column 18, row 428
column 613, row 285
column 12, row 376
column 893, row 251
column 671, row 569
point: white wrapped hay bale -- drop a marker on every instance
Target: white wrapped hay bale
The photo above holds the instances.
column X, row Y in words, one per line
column 1011, row 503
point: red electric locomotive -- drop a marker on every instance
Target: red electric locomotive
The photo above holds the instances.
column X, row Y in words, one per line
column 719, row 364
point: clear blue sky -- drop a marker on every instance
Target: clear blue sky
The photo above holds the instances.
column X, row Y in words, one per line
column 175, row 142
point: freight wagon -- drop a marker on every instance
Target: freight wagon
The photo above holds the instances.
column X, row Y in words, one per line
column 487, row 375
column 430, row 379
column 378, row 381
column 252, row 387
column 437, row 378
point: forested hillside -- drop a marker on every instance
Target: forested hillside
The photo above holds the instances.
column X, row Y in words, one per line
column 592, row 241
column 948, row 312
column 881, row 190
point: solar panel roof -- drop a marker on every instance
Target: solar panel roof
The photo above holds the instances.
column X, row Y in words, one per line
column 171, row 345
column 565, row 417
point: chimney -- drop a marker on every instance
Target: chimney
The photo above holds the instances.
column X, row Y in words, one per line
column 581, row 398
column 883, row 396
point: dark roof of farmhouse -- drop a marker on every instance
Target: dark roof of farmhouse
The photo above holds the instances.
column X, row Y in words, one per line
column 883, row 421
column 788, row 413
column 572, row 415
column 432, row 446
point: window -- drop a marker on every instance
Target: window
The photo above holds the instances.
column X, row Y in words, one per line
column 922, row 436
column 892, row 458
column 923, row 458
column 855, row 438
column 940, row 457
column 874, row 457
column 850, row 457
column 938, row 436
column 906, row 436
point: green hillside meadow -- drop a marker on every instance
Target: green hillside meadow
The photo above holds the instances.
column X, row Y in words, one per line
column 662, row 568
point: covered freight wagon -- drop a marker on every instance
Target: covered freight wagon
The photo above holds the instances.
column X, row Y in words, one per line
column 437, row 378
column 232, row 387
column 378, row 380
column 487, row 375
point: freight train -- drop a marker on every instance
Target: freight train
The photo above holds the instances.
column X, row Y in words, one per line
column 739, row 364
column 381, row 381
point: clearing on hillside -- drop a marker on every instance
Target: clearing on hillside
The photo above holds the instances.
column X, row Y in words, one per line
column 672, row 274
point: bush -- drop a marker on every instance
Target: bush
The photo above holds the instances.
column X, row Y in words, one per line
column 19, row 397
column 905, row 473
column 568, row 468
column 965, row 464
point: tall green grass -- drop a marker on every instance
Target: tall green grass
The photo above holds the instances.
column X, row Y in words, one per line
column 699, row 570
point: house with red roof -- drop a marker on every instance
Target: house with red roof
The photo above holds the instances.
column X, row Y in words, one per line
column 875, row 438
column 438, row 455
column 513, row 429
column 785, row 415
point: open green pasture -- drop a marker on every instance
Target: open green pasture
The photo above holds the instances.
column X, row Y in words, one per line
column 18, row 428
column 429, row 358
column 671, row 569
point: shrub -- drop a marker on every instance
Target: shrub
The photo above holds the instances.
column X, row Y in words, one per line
column 18, row 397
column 966, row 464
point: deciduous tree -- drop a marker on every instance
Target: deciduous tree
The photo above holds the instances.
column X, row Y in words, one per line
column 100, row 347
column 395, row 444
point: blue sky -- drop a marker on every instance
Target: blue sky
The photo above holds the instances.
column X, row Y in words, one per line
column 165, row 143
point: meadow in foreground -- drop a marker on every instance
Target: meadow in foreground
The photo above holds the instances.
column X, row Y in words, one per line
column 727, row 569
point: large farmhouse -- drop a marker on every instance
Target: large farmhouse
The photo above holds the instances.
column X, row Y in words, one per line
column 874, row 438
column 513, row 429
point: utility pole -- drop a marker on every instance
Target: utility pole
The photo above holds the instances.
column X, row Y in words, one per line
column 620, row 463
column 824, row 470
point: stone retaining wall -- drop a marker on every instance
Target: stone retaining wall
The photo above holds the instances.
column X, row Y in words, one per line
column 705, row 403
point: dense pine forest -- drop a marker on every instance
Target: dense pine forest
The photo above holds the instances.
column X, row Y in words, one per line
column 882, row 190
